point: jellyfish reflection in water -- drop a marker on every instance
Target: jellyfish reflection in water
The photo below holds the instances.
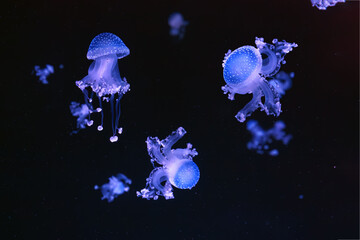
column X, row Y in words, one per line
column 104, row 79
column 261, row 139
column 323, row 4
column 177, row 167
column 246, row 69
column 177, row 25
column 116, row 186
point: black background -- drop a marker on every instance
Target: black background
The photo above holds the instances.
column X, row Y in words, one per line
column 47, row 175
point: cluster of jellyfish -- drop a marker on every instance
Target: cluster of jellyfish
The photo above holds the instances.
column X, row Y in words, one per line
column 247, row 70
column 323, row 4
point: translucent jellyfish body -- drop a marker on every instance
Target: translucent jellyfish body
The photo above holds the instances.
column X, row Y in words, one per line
column 43, row 73
column 82, row 112
column 262, row 139
column 282, row 82
column 177, row 25
column 246, row 69
column 104, row 79
column 176, row 167
column 323, row 4
column 115, row 187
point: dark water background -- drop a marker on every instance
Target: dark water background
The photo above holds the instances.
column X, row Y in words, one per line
column 47, row 176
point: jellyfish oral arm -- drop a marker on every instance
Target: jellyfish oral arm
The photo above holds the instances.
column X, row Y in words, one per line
column 154, row 187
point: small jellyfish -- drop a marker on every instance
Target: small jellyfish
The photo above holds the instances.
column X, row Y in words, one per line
column 323, row 4
column 282, row 82
column 246, row 69
column 177, row 25
column 104, row 77
column 261, row 139
column 43, row 73
column 116, row 186
column 176, row 167
column 82, row 112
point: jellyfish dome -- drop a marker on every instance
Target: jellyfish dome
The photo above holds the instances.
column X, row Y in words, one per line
column 176, row 167
column 104, row 78
column 246, row 70
column 324, row 4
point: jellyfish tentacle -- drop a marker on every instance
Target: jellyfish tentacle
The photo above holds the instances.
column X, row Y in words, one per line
column 153, row 147
column 154, row 187
column 272, row 104
column 168, row 142
column 250, row 107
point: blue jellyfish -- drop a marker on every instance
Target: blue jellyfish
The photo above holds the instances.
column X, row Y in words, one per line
column 104, row 77
column 261, row 139
column 82, row 112
column 246, row 69
column 323, row 4
column 43, row 73
column 282, row 82
column 176, row 167
column 116, row 186
column 177, row 25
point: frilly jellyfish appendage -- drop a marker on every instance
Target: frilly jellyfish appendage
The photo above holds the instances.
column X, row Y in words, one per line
column 323, row 4
column 43, row 73
column 82, row 112
column 282, row 82
column 245, row 71
column 115, row 187
column 176, row 167
column 104, row 79
column 177, row 25
column 273, row 55
column 261, row 139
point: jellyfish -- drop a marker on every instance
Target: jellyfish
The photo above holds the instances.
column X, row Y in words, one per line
column 176, row 167
column 261, row 139
column 43, row 73
column 177, row 25
column 116, row 186
column 246, row 69
column 82, row 112
column 323, row 4
column 282, row 82
column 104, row 78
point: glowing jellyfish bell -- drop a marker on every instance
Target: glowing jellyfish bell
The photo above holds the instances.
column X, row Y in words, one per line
column 177, row 167
column 245, row 71
column 104, row 77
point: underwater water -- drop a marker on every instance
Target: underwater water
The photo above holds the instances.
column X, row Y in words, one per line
column 48, row 173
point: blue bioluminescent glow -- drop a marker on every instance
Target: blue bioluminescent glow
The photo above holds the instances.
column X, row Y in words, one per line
column 82, row 112
column 282, row 82
column 115, row 187
column 176, row 167
column 43, row 73
column 177, row 25
column 323, row 4
column 246, row 69
column 262, row 139
column 104, row 77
